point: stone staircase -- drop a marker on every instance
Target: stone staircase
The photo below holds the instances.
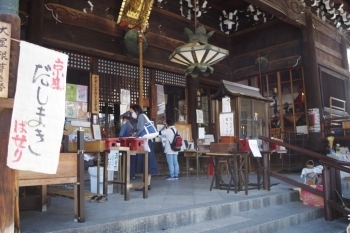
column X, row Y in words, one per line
column 261, row 214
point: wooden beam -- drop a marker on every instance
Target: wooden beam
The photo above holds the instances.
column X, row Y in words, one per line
column 335, row 68
column 108, row 55
column 283, row 46
column 283, row 10
column 180, row 18
column 328, row 50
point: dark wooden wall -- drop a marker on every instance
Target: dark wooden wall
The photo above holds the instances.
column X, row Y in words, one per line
column 278, row 41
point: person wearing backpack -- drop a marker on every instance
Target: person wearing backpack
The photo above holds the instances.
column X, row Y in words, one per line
column 169, row 131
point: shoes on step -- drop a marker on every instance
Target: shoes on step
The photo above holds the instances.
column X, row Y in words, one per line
column 170, row 178
column 94, row 198
column 141, row 189
column 176, row 178
column 102, row 199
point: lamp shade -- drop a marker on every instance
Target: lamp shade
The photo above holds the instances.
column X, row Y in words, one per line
column 198, row 56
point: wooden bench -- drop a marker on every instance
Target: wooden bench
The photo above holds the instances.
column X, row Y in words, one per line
column 67, row 172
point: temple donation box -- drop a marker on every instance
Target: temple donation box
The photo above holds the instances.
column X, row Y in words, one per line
column 242, row 115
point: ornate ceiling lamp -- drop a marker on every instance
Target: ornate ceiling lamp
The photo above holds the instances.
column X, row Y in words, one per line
column 197, row 54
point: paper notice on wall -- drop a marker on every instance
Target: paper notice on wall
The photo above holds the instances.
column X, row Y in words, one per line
column 113, row 160
column 226, row 124
column 201, row 133
column 226, row 104
column 125, row 97
column 254, row 148
column 39, row 110
column 199, row 114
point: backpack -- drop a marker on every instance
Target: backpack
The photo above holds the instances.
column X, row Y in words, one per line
column 177, row 142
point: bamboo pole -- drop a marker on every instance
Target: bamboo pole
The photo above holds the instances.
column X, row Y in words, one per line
column 140, row 40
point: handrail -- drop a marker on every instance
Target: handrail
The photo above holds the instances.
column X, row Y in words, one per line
column 330, row 175
column 298, row 149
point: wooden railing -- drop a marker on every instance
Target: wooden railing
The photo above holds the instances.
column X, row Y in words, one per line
column 334, row 206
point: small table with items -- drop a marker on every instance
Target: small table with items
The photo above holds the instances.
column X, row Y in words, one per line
column 194, row 154
column 125, row 178
column 102, row 148
column 238, row 174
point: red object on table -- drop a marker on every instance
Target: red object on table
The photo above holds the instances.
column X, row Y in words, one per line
column 244, row 145
column 111, row 142
column 137, row 143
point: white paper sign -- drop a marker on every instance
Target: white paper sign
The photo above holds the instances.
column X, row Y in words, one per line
column 113, row 160
column 226, row 124
column 39, row 109
column 125, row 97
column 199, row 114
column 226, row 104
column 201, row 133
column 254, row 148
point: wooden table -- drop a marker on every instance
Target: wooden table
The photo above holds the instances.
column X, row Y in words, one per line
column 238, row 174
column 125, row 179
column 194, row 154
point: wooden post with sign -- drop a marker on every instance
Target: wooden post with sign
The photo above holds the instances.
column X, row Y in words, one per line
column 95, row 94
column 5, row 45
column 8, row 194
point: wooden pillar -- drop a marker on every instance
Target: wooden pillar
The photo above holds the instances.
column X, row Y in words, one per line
column 8, row 14
column 193, row 83
column 345, row 65
column 35, row 21
column 312, row 80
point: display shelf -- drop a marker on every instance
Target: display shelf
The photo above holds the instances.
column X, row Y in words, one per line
column 286, row 88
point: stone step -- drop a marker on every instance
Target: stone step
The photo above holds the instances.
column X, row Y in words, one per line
column 239, row 211
column 264, row 220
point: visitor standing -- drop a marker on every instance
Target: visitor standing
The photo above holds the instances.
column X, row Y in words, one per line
column 169, row 131
column 137, row 113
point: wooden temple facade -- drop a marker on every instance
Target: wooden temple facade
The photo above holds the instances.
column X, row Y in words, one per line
column 283, row 47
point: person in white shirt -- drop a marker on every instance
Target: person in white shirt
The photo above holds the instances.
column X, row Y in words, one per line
column 169, row 131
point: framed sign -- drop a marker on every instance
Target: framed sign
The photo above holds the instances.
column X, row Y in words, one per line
column 97, row 132
column 95, row 94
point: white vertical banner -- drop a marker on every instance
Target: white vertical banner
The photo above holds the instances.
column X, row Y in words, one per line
column 226, row 104
column 113, row 160
column 39, row 110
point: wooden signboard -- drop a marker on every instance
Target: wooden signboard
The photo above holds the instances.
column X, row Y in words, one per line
column 95, row 94
column 5, row 45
